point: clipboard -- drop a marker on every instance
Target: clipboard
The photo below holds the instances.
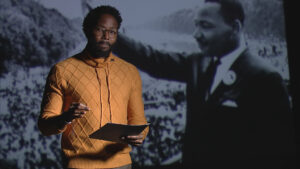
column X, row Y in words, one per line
column 114, row 132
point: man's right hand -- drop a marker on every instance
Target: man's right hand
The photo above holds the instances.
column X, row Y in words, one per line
column 76, row 110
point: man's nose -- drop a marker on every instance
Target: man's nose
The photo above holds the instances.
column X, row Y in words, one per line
column 105, row 34
column 197, row 34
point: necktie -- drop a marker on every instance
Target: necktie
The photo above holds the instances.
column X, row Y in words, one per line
column 210, row 74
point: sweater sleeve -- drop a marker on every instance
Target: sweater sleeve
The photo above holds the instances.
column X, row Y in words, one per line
column 135, row 109
column 50, row 120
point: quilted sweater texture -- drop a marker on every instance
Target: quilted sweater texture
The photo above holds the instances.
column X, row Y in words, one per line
column 111, row 88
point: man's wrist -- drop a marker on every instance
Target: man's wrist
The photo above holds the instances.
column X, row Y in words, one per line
column 64, row 120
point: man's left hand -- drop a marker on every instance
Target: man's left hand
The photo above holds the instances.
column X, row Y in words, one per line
column 135, row 140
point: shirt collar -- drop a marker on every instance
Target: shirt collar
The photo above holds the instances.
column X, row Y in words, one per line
column 96, row 62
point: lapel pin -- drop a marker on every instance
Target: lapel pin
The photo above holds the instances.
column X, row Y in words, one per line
column 229, row 78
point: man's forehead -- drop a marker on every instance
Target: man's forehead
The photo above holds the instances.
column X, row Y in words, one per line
column 107, row 20
column 208, row 10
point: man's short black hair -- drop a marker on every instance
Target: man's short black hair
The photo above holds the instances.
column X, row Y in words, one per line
column 231, row 10
column 91, row 19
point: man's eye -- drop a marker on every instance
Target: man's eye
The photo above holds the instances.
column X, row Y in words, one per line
column 99, row 29
column 112, row 32
column 206, row 25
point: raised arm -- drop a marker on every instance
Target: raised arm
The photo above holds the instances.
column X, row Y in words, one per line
column 160, row 64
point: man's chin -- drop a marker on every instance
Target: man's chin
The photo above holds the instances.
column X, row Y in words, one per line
column 102, row 53
column 98, row 51
column 204, row 52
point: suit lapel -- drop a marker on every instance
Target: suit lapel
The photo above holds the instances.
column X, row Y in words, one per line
column 228, row 87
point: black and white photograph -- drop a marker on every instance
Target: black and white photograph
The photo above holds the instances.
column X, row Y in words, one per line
column 211, row 77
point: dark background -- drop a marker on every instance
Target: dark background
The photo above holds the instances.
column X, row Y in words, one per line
column 292, row 35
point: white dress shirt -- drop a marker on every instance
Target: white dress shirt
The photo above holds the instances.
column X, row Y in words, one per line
column 224, row 66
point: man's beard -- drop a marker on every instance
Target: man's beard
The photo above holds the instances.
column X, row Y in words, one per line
column 97, row 52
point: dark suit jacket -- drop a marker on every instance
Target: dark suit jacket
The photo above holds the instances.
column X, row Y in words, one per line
column 253, row 131
column 257, row 127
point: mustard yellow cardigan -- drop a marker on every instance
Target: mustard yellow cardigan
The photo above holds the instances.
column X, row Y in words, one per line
column 111, row 88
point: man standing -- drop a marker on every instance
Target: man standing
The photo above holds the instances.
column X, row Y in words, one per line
column 90, row 89
column 238, row 110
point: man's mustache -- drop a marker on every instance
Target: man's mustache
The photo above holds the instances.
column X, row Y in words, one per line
column 201, row 41
column 103, row 42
